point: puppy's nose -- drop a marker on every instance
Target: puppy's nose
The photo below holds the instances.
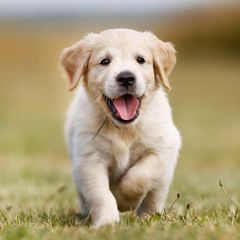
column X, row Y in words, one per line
column 126, row 78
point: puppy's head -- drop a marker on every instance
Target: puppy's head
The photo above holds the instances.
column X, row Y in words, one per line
column 120, row 69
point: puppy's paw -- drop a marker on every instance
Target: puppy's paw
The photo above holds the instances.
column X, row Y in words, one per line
column 106, row 215
column 144, row 217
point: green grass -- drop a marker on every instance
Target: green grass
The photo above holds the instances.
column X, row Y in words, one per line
column 37, row 195
column 38, row 201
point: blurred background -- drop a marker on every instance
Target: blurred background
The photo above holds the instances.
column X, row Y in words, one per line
column 205, row 92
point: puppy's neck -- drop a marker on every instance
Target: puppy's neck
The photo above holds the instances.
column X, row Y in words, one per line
column 126, row 132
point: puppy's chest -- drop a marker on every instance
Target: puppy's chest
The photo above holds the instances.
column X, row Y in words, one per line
column 125, row 155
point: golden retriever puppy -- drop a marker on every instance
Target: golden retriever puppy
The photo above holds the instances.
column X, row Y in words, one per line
column 119, row 129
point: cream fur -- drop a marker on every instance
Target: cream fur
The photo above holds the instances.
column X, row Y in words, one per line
column 127, row 166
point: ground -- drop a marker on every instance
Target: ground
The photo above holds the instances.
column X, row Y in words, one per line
column 37, row 195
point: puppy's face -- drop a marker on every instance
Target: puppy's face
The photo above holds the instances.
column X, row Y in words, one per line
column 120, row 69
column 120, row 72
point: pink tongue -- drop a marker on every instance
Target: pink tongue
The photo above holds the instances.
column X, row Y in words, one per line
column 126, row 106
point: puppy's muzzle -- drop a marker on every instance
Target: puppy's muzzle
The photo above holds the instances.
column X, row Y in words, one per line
column 126, row 79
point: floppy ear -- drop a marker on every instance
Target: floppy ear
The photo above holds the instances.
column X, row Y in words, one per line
column 164, row 61
column 164, row 58
column 75, row 59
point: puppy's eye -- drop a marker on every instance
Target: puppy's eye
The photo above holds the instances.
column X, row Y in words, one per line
column 140, row 60
column 105, row 61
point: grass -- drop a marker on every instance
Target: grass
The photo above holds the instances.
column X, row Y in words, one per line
column 37, row 195
column 40, row 203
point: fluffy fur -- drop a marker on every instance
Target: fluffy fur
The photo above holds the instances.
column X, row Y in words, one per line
column 126, row 166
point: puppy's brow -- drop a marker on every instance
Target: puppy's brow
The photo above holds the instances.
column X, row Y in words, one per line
column 105, row 54
column 140, row 55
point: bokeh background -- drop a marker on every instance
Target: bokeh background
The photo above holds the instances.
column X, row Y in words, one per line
column 205, row 96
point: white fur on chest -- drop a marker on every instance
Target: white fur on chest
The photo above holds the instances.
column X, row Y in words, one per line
column 154, row 124
column 121, row 155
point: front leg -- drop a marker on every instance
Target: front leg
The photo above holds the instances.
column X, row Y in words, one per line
column 145, row 185
column 91, row 178
column 136, row 183
column 155, row 199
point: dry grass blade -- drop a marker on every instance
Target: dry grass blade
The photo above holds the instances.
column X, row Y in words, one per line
column 227, row 195
column 173, row 203
column 53, row 195
column 99, row 129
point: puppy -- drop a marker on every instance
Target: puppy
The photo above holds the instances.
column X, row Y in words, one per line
column 119, row 129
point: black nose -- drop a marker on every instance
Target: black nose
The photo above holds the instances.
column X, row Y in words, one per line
column 126, row 78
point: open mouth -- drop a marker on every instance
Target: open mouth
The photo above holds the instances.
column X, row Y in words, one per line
column 124, row 108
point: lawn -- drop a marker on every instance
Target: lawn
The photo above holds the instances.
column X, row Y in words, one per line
column 37, row 195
